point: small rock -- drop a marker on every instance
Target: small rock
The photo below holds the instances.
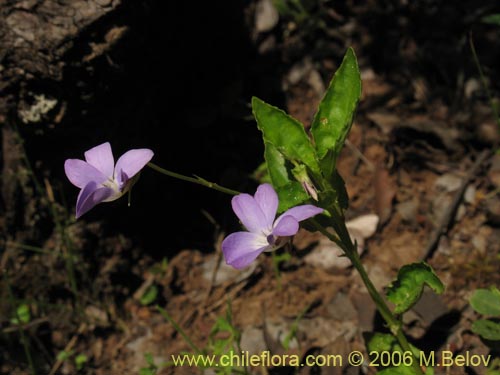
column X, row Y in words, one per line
column 97, row 316
column 471, row 86
column 328, row 255
column 252, row 340
column 470, row 194
column 316, row 82
column 323, row 331
column 488, row 134
column 408, row 210
column 366, row 310
column 379, row 277
column 448, row 182
column 266, row 16
column 225, row 272
column 341, row 308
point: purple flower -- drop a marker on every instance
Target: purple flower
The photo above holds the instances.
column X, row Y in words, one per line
column 257, row 214
column 100, row 179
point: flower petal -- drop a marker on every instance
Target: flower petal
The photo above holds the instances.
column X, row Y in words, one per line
column 300, row 213
column 90, row 196
column 80, row 173
column 130, row 163
column 267, row 199
column 101, row 157
column 287, row 226
column 250, row 214
column 241, row 248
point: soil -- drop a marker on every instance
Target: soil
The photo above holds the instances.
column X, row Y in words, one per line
column 421, row 156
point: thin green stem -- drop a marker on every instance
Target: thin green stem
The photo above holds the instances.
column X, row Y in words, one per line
column 34, row 249
column 20, row 324
column 345, row 242
column 178, row 328
column 194, row 180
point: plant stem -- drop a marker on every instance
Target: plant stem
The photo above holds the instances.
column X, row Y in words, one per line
column 20, row 325
column 194, row 180
column 178, row 328
column 344, row 240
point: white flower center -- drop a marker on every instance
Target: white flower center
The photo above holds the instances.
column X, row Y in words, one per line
column 113, row 184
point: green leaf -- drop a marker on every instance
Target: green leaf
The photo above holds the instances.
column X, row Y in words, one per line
column 338, row 184
column 22, row 315
column 290, row 192
column 488, row 329
column 333, row 120
column 407, row 289
column 276, row 165
column 64, row 355
column 221, row 325
column 149, row 359
column 486, row 302
column 493, row 19
column 381, row 342
column 147, row 371
column 285, row 133
column 149, row 296
column 385, row 342
column 291, row 195
column 80, row 361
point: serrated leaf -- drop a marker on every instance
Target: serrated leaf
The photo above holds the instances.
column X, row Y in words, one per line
column 290, row 192
column 285, row 133
column 385, row 342
column 333, row 120
column 291, row 195
column 276, row 166
column 380, row 342
column 488, row 329
column 486, row 302
column 407, row 289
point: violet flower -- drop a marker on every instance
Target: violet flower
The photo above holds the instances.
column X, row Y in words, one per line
column 257, row 214
column 99, row 179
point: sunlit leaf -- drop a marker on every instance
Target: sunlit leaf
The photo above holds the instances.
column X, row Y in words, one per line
column 486, row 302
column 285, row 133
column 407, row 289
column 387, row 343
column 488, row 329
column 333, row 120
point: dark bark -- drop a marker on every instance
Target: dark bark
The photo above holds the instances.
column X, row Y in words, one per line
column 38, row 39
